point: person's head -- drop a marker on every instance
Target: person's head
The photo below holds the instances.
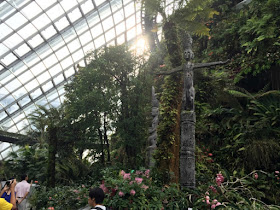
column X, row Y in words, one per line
column 96, row 196
column 24, row 177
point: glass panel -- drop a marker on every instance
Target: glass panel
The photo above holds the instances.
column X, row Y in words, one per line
column 78, row 55
column 20, row 92
column 8, row 77
column 24, row 101
column 120, row 39
column 36, row 93
column 66, row 62
column 41, row 21
column 42, row 102
column 56, row 43
column 36, row 70
column 19, row 117
column 139, row 29
column 116, row 5
column 46, row 4
column 88, row 48
column 8, row 100
column 62, row 53
column 47, row 86
column 120, row 28
column 31, row 85
column 69, row 35
column 74, row 45
column 23, row 49
column 138, row 17
column 31, row 60
column 52, row 96
column 3, row 92
column 3, row 49
column 131, row 34
column 13, row 40
column 62, row 23
column 68, row 4
column 93, row 19
column 55, row 103
column 31, row 10
column 3, row 115
column 87, row 7
column 49, row 32
column 105, row 11
column 110, row 35
column 13, row 108
column 44, row 51
column 129, row 9
column 69, row 72
column 4, row 27
column 118, row 16
column 11, row 130
column 7, row 152
column 81, row 26
column 25, row 77
column 5, row 10
column 27, row 31
column 108, row 23
column 35, row 41
column 97, row 30
column 9, row 59
column 55, row 70
column 51, row 60
column 85, row 38
column 55, row 12
column 130, row 22
column 99, row 41
column 21, row 124
column 13, row 85
column 98, row 2
column 74, row 15
column 43, row 77
column 16, row 21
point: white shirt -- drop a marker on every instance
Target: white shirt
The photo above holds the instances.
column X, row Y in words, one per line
column 22, row 188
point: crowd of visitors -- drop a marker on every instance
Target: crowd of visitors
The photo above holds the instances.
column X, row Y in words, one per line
column 14, row 195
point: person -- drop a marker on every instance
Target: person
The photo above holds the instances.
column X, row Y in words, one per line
column 5, row 205
column 22, row 189
column 96, row 197
column 6, row 191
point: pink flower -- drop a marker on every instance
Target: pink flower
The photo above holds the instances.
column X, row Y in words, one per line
column 214, row 190
column 121, row 194
column 36, row 182
column 161, row 66
column 104, row 188
column 131, row 182
column 138, row 172
column 213, row 206
column 76, row 191
column 50, row 198
column 132, row 192
column 122, row 172
column 210, row 154
column 147, row 173
column 277, row 172
column 83, row 186
column 51, row 208
column 219, row 179
column 256, row 176
column 138, row 180
column 145, row 187
column 126, row 176
column 218, row 204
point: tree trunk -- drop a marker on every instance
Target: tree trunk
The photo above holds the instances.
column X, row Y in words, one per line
column 52, row 131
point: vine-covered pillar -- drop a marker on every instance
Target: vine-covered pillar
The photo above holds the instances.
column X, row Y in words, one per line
column 170, row 104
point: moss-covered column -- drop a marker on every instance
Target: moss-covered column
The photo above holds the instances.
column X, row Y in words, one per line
column 167, row 156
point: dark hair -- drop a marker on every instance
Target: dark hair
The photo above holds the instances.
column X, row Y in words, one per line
column 23, row 177
column 98, row 194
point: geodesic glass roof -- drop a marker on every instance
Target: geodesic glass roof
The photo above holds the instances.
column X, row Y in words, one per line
column 42, row 42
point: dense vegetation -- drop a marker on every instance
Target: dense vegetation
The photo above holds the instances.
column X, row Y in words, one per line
column 99, row 136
